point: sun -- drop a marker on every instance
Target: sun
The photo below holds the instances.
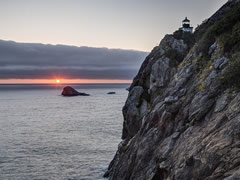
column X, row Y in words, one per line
column 58, row 81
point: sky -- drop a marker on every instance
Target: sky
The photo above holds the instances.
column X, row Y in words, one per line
column 137, row 25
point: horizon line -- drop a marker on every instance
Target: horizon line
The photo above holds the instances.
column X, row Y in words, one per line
column 58, row 84
column 64, row 81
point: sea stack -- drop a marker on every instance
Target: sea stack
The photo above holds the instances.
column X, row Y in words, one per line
column 69, row 91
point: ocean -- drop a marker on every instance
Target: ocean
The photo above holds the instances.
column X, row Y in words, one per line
column 44, row 135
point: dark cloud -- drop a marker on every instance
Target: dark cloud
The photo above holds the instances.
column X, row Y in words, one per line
column 28, row 60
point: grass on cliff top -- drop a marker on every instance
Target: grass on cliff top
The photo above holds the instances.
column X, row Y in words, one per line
column 229, row 24
column 231, row 40
column 231, row 76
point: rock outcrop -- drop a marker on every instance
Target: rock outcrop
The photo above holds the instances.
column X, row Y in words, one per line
column 69, row 91
column 111, row 93
column 182, row 117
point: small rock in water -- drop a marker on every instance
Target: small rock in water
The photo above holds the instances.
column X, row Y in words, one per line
column 111, row 93
column 69, row 91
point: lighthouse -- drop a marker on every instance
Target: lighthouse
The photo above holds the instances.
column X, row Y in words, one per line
column 186, row 26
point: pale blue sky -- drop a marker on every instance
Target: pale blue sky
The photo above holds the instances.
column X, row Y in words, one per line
column 125, row 24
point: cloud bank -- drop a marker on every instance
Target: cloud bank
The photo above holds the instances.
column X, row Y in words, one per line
column 39, row 61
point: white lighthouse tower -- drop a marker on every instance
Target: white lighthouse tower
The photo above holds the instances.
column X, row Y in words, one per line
column 186, row 26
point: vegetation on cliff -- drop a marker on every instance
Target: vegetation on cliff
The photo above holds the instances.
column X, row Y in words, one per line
column 182, row 114
column 231, row 76
column 227, row 30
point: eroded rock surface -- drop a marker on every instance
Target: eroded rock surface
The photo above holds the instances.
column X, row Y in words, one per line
column 179, row 122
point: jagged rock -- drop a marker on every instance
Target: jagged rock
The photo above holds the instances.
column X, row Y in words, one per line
column 169, row 42
column 69, row 91
column 182, row 92
column 199, row 106
column 220, row 63
column 224, row 64
column 233, row 177
column 170, row 99
column 189, row 126
column 212, row 48
column 221, row 103
column 212, row 77
column 160, row 74
column 132, row 119
column 143, row 108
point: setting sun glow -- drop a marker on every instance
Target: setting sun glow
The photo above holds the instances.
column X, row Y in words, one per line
column 58, row 81
column 62, row 81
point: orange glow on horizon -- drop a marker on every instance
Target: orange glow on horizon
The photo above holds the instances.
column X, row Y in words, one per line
column 61, row 81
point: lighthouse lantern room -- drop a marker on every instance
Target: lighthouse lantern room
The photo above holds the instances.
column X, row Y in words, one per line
column 186, row 26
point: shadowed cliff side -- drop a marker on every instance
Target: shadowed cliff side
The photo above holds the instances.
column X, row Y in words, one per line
column 182, row 114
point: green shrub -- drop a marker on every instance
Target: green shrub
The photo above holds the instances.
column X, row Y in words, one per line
column 205, row 43
column 174, row 56
column 200, row 30
column 207, row 70
column 231, row 76
column 184, row 64
column 202, row 86
column 201, row 63
column 232, row 41
column 230, row 95
column 229, row 24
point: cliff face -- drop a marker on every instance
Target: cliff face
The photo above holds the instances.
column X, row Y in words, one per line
column 182, row 115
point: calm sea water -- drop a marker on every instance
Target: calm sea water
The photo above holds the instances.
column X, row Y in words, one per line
column 46, row 136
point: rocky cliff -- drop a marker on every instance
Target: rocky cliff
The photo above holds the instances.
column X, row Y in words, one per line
column 182, row 114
